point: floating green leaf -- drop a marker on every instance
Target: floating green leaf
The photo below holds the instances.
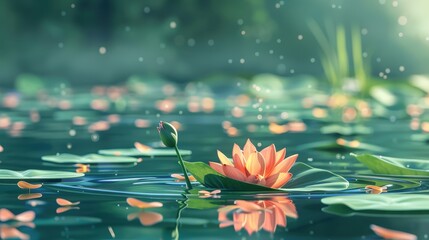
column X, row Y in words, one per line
column 420, row 137
column 394, row 166
column 133, row 152
column 90, row 158
column 347, row 146
column 381, row 202
column 345, row 130
column 383, row 95
column 37, row 174
column 394, row 184
column 67, row 221
column 344, row 211
column 305, row 179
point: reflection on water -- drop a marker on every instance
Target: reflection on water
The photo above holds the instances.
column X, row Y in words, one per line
column 82, row 123
column 146, row 218
column 12, row 232
column 254, row 216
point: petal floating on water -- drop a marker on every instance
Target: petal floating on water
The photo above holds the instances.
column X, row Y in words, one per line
column 141, row 147
column 26, row 185
column 392, row 234
column 133, row 202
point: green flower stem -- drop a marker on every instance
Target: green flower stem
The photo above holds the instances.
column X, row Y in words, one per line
column 188, row 182
column 182, row 206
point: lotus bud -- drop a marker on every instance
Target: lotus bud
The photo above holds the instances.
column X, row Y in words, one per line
column 168, row 134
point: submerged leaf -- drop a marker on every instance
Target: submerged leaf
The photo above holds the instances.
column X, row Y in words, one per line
column 305, row 179
column 394, row 166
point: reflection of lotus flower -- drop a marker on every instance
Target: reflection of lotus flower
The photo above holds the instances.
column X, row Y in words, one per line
column 256, row 215
column 146, row 218
column 9, row 232
column 267, row 167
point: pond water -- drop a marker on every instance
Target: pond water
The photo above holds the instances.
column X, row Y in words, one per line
column 210, row 119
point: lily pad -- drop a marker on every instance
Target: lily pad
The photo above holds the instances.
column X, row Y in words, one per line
column 305, row 179
column 90, row 158
column 394, row 166
column 420, row 137
column 133, row 152
column 67, row 221
column 344, row 211
column 382, row 202
column 383, row 95
column 341, row 146
column 37, row 174
column 346, row 130
column 360, row 182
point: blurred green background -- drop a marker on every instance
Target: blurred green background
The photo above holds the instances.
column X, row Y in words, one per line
column 106, row 41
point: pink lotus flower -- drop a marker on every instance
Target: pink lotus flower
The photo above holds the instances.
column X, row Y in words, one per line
column 256, row 215
column 267, row 168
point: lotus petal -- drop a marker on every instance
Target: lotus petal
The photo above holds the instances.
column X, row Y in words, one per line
column 133, row 202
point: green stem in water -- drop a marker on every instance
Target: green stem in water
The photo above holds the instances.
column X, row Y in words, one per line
column 182, row 206
column 185, row 173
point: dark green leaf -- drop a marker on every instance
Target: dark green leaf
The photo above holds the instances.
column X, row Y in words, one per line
column 305, row 179
column 394, row 166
